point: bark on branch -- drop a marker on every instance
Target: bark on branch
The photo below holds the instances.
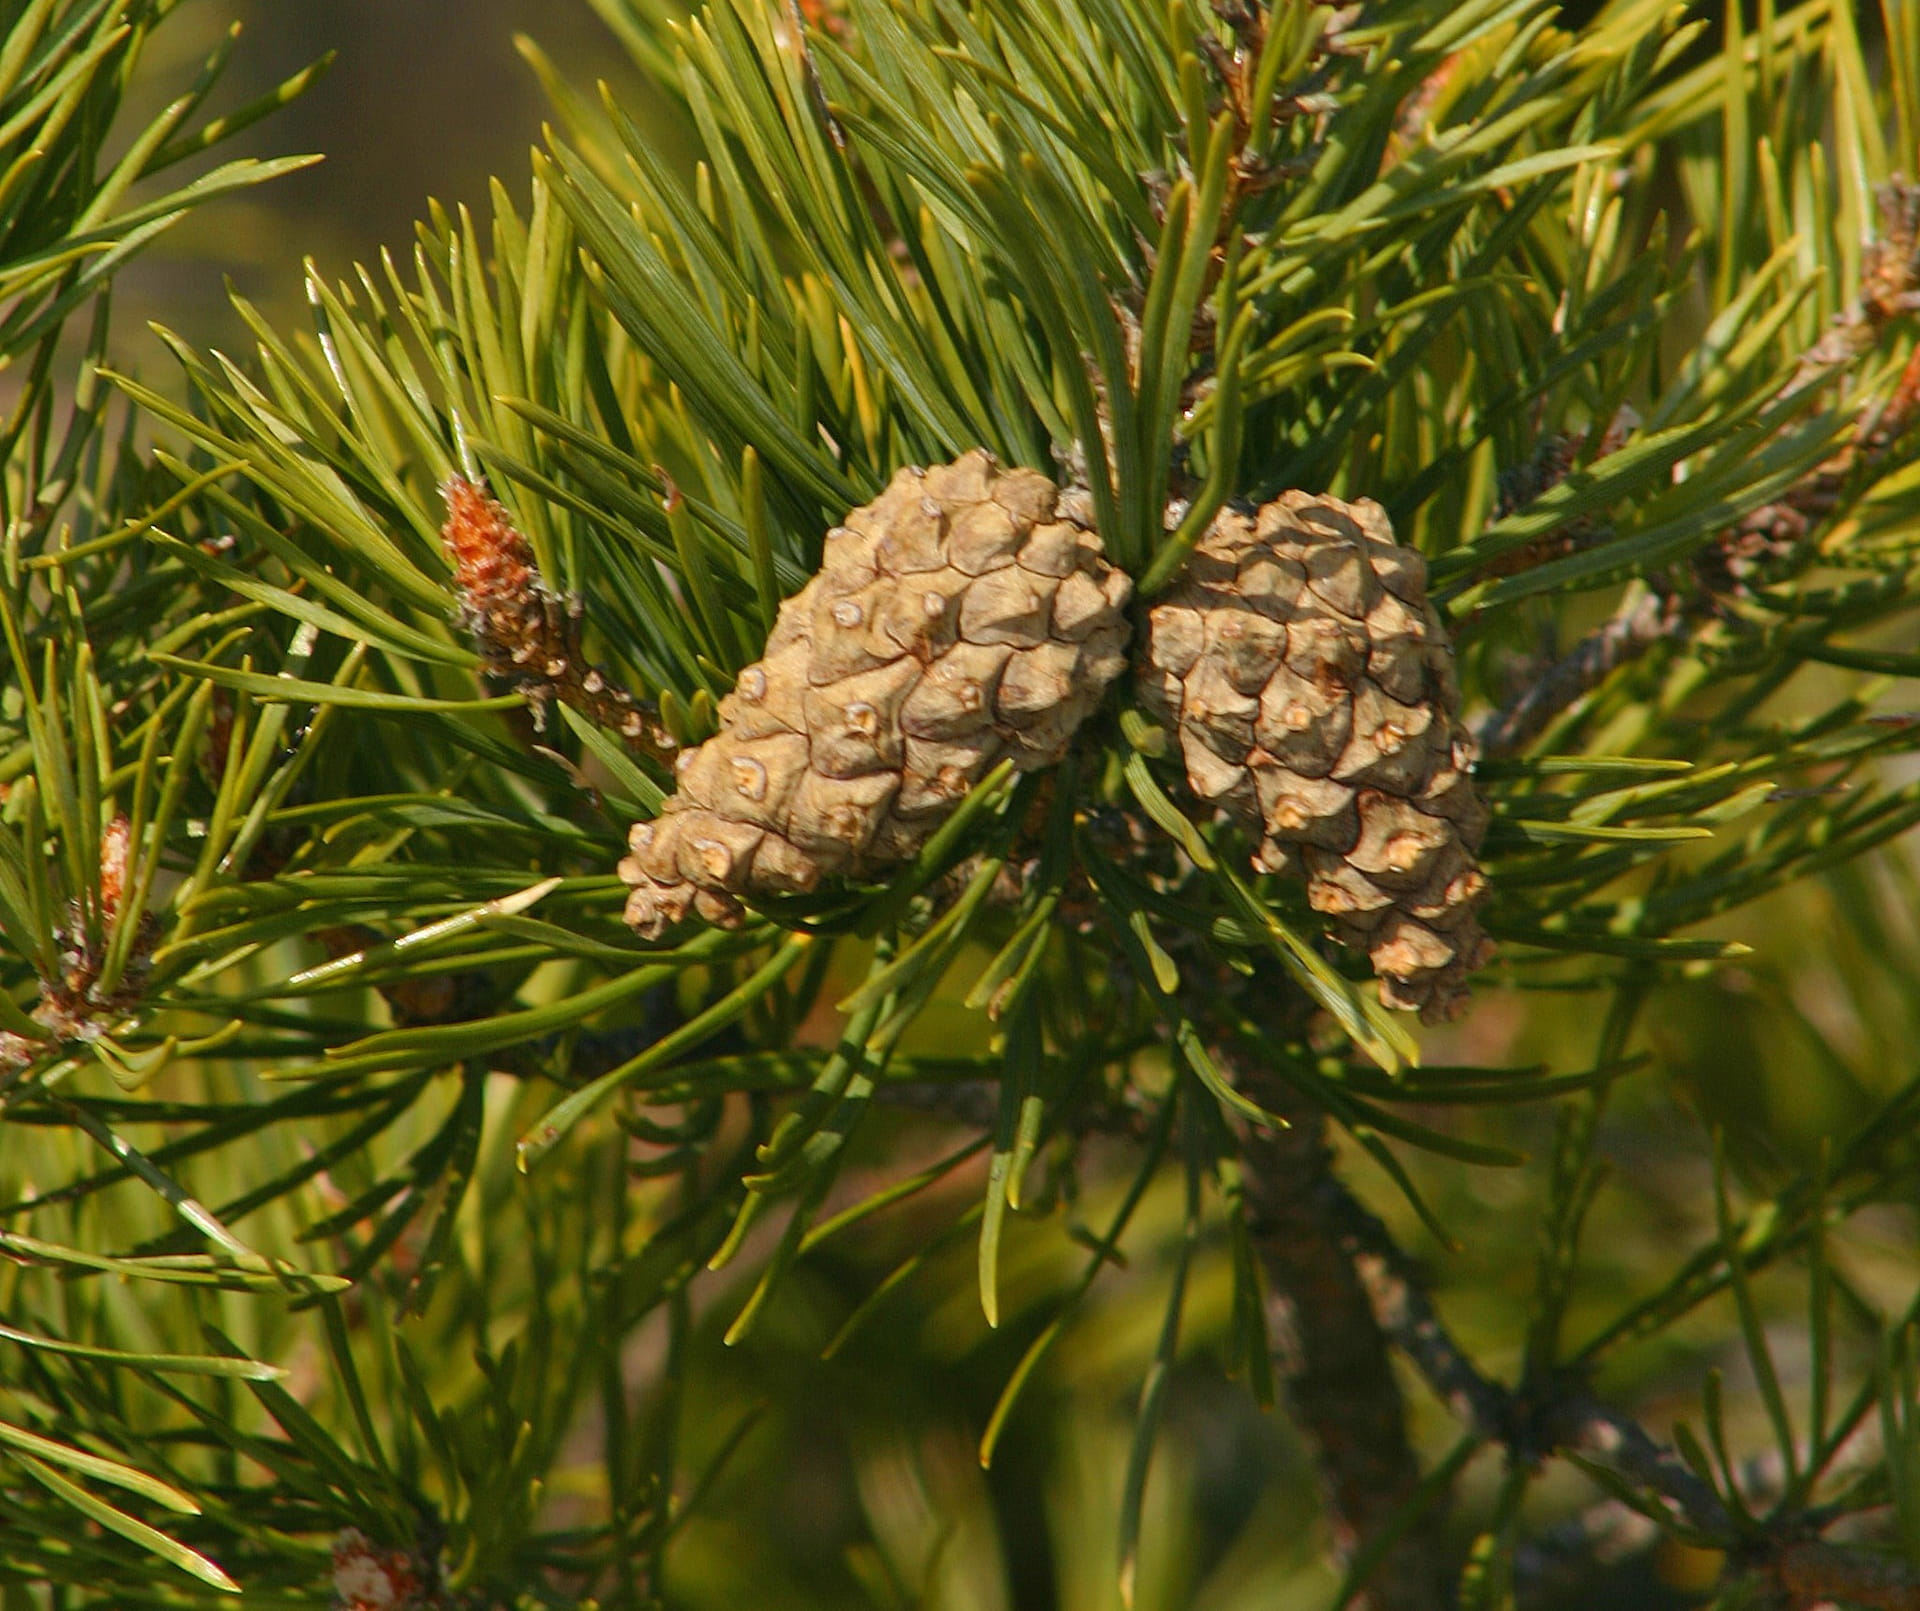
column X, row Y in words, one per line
column 1331, row 1352
column 1364, row 1435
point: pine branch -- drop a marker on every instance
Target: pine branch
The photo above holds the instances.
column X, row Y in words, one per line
column 1811, row 1575
column 1343, row 252
column 1330, row 1346
column 1644, row 618
column 1538, row 1421
column 1553, row 1569
column 1765, row 539
column 1556, row 1567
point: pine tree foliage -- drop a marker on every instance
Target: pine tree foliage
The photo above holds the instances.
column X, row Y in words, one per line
column 323, row 1036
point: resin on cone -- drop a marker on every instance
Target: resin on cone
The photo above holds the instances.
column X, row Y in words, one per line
column 1311, row 686
column 962, row 618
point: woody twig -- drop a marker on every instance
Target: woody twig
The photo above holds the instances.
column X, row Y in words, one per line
column 1764, row 539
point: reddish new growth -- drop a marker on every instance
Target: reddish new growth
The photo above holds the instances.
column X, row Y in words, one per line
column 493, row 565
column 114, row 845
column 529, row 635
column 827, row 16
column 77, row 1004
column 366, row 1578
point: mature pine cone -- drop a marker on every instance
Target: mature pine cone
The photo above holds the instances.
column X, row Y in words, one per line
column 960, row 618
column 1311, row 685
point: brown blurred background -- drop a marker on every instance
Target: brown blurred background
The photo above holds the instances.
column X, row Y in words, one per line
column 425, row 98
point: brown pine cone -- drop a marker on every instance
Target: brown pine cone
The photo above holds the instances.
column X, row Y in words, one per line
column 960, row 618
column 1311, row 686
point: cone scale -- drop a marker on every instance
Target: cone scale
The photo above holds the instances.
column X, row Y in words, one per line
column 962, row 618
column 968, row 616
column 1311, row 687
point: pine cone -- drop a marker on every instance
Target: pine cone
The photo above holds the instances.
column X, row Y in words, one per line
column 1311, row 685
column 960, row 618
